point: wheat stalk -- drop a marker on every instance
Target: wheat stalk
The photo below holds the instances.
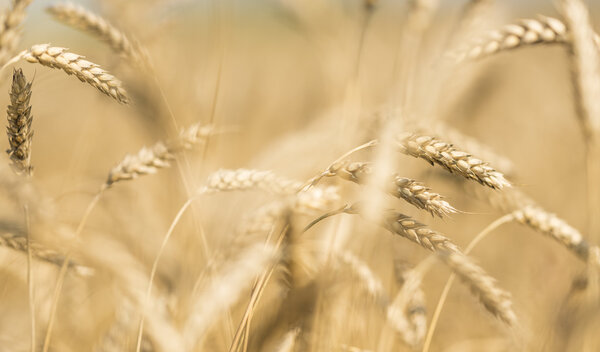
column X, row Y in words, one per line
column 435, row 151
column 9, row 25
column 413, row 192
column 74, row 64
column 19, row 124
column 78, row 17
column 150, row 160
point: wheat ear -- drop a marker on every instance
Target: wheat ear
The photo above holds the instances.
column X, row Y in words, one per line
column 413, row 192
column 435, row 151
column 150, row 160
column 543, row 30
column 19, row 244
column 74, row 64
column 465, row 142
column 244, row 179
column 554, row 227
column 19, row 124
column 9, row 26
column 407, row 313
column 78, row 17
column 495, row 300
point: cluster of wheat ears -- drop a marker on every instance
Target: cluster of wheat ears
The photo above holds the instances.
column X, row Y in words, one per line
column 298, row 271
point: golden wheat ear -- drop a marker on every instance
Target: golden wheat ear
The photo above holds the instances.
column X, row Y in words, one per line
column 19, row 129
column 9, row 29
column 436, row 151
column 79, row 18
column 149, row 160
column 74, row 64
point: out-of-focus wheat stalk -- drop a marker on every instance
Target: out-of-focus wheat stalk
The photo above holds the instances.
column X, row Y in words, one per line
column 585, row 66
column 19, row 124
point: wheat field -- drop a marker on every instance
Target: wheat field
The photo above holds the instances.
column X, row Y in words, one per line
column 300, row 175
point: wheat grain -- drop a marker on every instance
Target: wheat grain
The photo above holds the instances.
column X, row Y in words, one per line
column 78, row 17
column 19, row 124
column 74, row 64
column 435, row 151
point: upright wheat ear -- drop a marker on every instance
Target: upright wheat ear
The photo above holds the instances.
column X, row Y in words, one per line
column 76, row 16
column 73, row 64
column 19, row 124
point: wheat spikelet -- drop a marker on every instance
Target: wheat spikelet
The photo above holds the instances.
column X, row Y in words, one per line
column 549, row 224
column 9, row 25
column 78, row 17
column 149, row 160
column 19, row 124
column 243, row 179
column 543, row 30
column 73, row 64
column 456, row 161
column 495, row 300
column 408, row 189
column 407, row 312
